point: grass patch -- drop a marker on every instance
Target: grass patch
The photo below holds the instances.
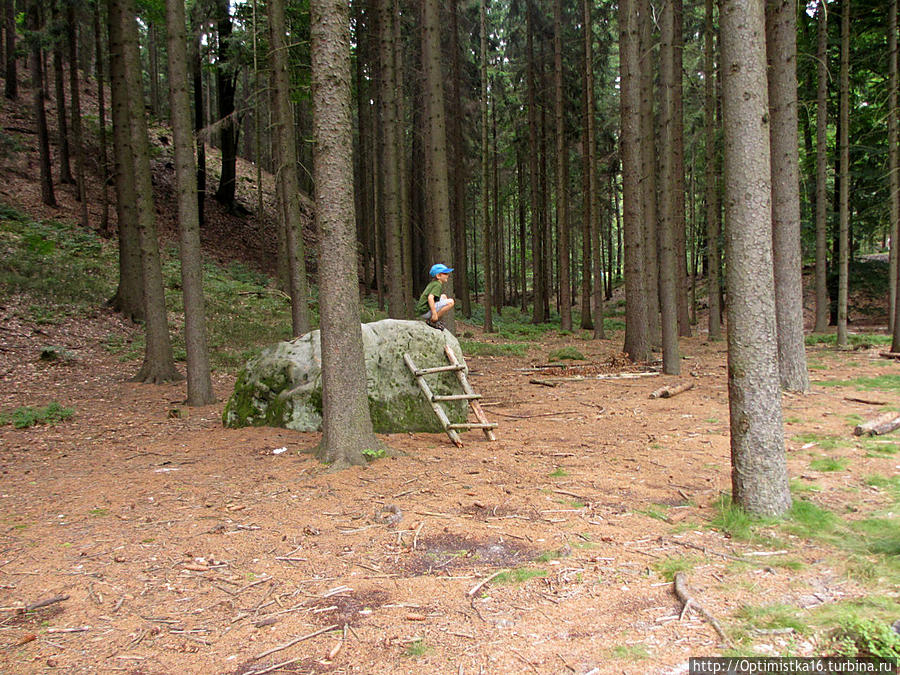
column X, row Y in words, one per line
column 889, row 383
column 736, row 522
column 416, row 649
column 824, row 442
column 800, row 487
column 657, row 511
column 772, row 616
column 860, row 340
column 669, row 567
column 857, row 636
column 27, row 416
column 631, row 652
column 558, row 472
column 829, row 464
column 519, row 575
column 890, row 485
column 475, row 348
column 805, row 519
column 565, row 353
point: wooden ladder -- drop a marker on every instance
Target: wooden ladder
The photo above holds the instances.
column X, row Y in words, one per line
column 469, row 395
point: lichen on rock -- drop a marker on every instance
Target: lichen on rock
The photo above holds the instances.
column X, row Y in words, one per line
column 282, row 386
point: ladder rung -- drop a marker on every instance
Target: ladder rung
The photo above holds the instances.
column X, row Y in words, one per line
column 489, row 425
column 439, row 369
column 456, row 397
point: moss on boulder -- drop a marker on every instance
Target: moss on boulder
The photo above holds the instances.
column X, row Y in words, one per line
column 282, row 387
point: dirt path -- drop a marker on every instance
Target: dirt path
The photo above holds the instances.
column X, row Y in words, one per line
column 184, row 547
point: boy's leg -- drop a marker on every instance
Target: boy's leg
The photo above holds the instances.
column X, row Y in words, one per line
column 443, row 306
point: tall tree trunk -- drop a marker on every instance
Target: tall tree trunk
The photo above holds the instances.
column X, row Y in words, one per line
column 199, row 383
column 81, row 191
column 62, row 121
column 488, row 299
column 669, row 278
column 389, row 164
column 346, row 421
column 591, row 230
column 199, row 116
column 286, row 173
column 781, row 40
column 40, row 114
column 11, row 86
column 562, row 199
column 129, row 297
column 101, row 114
column 893, row 156
column 649, row 159
column 437, row 194
column 458, row 203
column 637, row 343
column 537, row 275
column 713, row 264
column 153, row 58
column 844, row 190
column 684, row 315
column 759, row 476
column 406, row 237
column 159, row 363
column 364, row 156
column 226, row 86
column 822, row 302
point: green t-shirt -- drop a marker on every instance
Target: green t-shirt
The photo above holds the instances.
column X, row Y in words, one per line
column 435, row 288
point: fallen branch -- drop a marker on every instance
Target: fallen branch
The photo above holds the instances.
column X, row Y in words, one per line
column 35, row 605
column 685, row 597
column 864, row 400
column 291, row 643
column 546, row 383
column 672, row 390
column 477, row 587
column 880, row 425
column 890, row 355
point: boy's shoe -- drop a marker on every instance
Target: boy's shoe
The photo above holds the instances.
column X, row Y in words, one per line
column 437, row 325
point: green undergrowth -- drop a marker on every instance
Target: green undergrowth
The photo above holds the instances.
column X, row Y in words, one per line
column 854, row 339
column 518, row 575
column 28, row 416
column 886, row 383
column 476, row 348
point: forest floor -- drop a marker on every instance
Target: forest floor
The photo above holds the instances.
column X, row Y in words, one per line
column 184, row 547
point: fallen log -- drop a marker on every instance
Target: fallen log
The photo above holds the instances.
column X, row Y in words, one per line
column 890, row 355
column 882, row 424
column 672, row 390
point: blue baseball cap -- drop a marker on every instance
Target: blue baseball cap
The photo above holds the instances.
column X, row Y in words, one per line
column 440, row 269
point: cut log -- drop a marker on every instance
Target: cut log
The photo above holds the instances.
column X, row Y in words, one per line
column 672, row 390
column 882, row 424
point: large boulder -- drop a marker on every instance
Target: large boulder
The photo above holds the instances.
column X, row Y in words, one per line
column 282, row 387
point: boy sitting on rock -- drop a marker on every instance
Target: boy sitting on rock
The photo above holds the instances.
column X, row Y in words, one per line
column 433, row 303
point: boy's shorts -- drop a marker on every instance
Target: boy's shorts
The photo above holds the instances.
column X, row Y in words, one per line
column 438, row 305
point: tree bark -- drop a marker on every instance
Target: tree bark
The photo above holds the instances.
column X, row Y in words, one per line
column 199, row 382
column 713, row 209
column 893, row 156
column 844, row 190
column 62, row 117
column 129, row 297
column 487, row 239
column 649, row 159
column 286, row 174
column 679, row 224
column 390, row 192
column 199, row 116
column 77, row 140
column 669, row 278
column 159, row 363
column 759, row 467
column 537, row 275
column 822, row 302
column 781, row 41
column 458, row 206
column 346, row 422
column 226, row 87
column 101, row 114
column 592, row 212
column 38, row 93
column 437, row 193
column 11, row 86
column 562, row 199
column 636, row 328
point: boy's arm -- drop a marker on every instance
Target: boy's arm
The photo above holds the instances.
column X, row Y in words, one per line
column 432, row 306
